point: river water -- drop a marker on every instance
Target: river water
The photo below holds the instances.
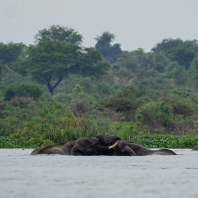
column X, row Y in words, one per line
column 56, row 176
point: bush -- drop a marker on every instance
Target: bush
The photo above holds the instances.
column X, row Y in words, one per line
column 62, row 97
column 182, row 106
column 24, row 89
column 81, row 103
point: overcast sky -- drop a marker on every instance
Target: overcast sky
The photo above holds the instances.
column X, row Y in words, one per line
column 136, row 23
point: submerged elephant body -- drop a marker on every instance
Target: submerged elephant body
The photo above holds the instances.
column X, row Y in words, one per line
column 101, row 146
column 87, row 146
column 79, row 147
column 195, row 148
column 49, row 149
column 124, row 148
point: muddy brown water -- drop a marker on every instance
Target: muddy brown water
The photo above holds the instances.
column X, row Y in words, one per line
column 44, row 176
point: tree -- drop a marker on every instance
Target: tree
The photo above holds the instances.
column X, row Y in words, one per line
column 105, row 47
column 49, row 62
column 10, row 52
column 1, row 68
column 57, row 53
column 125, row 101
column 194, row 72
column 183, row 56
column 177, row 50
column 23, row 89
column 59, row 33
column 168, row 44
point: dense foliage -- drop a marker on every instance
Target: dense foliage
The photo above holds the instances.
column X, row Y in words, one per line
column 148, row 97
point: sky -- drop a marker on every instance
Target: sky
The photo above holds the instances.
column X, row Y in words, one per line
column 136, row 23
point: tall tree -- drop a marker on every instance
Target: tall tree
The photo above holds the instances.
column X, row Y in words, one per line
column 166, row 45
column 10, row 52
column 51, row 61
column 1, row 67
column 169, row 44
column 177, row 50
column 105, row 47
column 183, row 56
column 57, row 53
column 58, row 33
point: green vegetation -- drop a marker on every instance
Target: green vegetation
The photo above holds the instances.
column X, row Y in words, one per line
column 57, row 90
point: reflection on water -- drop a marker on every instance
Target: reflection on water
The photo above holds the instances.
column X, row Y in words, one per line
column 43, row 176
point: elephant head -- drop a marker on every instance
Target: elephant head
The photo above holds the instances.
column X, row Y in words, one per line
column 108, row 140
column 124, row 148
column 93, row 146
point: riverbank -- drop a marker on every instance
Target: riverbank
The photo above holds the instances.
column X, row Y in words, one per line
column 151, row 141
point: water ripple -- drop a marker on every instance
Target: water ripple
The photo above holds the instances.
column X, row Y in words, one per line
column 22, row 175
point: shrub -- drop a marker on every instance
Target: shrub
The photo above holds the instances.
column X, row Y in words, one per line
column 62, row 97
column 179, row 105
column 81, row 103
column 24, row 89
column 22, row 102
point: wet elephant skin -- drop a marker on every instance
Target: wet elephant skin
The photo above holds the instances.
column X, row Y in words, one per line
column 82, row 146
column 195, row 148
column 124, row 148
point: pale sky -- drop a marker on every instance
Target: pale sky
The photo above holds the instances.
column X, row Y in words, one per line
column 136, row 23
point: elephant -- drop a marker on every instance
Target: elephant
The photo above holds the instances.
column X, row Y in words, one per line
column 195, row 148
column 92, row 146
column 79, row 147
column 124, row 148
column 49, row 149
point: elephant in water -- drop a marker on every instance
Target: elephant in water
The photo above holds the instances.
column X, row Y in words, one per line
column 124, row 148
column 195, row 148
column 82, row 146
column 49, row 149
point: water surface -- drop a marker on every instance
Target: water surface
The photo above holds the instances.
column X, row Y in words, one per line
column 44, row 176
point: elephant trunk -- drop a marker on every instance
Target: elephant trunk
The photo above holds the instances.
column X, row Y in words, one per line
column 103, row 140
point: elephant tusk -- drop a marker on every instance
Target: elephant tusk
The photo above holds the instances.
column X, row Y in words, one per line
column 110, row 147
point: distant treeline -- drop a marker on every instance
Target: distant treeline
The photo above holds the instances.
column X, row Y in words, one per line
column 58, row 90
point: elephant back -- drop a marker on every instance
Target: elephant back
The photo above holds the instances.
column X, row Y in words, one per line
column 41, row 150
column 195, row 148
column 66, row 148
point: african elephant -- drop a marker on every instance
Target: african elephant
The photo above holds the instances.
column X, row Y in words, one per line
column 124, row 148
column 82, row 146
column 91, row 146
column 195, row 148
column 49, row 149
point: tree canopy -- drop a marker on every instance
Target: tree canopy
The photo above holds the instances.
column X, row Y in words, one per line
column 105, row 47
column 142, row 93
column 59, row 33
column 51, row 61
column 167, row 44
column 10, row 52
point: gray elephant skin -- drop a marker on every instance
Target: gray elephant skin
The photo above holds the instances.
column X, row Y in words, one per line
column 79, row 147
column 101, row 146
column 126, row 148
column 195, row 148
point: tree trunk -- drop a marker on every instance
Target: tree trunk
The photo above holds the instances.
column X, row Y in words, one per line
column 50, row 87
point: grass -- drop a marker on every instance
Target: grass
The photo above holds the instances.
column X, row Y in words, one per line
column 151, row 141
column 167, row 141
